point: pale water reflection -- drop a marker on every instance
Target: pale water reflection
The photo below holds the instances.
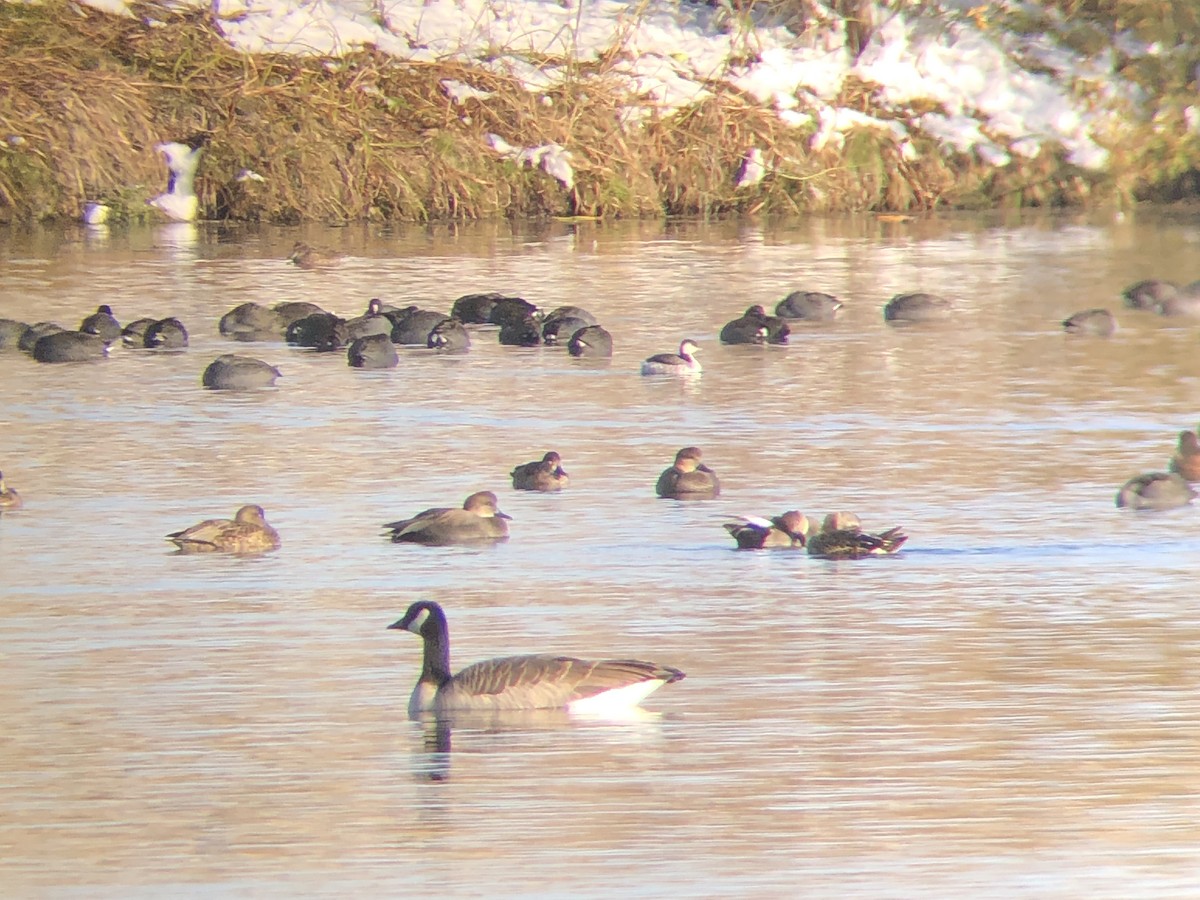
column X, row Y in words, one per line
column 1008, row 707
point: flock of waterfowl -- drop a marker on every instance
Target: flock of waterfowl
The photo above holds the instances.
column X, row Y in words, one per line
column 370, row 340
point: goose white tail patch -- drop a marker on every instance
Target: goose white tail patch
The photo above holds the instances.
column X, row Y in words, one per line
column 617, row 700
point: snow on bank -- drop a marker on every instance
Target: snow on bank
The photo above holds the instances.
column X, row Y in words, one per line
column 670, row 54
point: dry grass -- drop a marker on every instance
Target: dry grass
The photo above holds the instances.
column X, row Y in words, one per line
column 86, row 96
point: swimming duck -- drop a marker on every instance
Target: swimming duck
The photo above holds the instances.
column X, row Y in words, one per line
column 375, row 351
column 305, row 256
column 478, row 520
column 682, row 363
column 688, row 478
column 545, row 474
column 813, row 306
column 165, row 334
column 1149, row 294
column 593, row 342
column 1099, row 322
column 754, row 326
column 789, row 529
column 522, row 682
column 841, row 537
column 1185, row 302
column 919, row 307
column 70, row 346
column 230, row 372
column 102, row 323
column 9, row 498
column 246, row 532
column 1155, row 490
column 1186, row 461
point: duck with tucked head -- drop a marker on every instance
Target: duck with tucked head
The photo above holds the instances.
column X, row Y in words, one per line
column 682, row 363
column 1098, row 322
column 246, row 532
column 9, row 498
column 535, row 681
column 688, row 478
column 479, row 520
column 788, row 530
column 545, row 474
column 841, row 537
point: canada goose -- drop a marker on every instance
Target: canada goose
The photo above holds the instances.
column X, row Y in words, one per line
column 593, row 342
column 754, row 326
column 905, row 308
column 1098, row 322
column 1186, row 461
column 69, row 346
column 688, row 478
column 1155, row 490
column 305, row 256
column 545, row 474
column 102, row 323
column 230, row 372
column 813, row 306
column 478, row 520
column 789, row 529
column 841, row 537
column 179, row 203
column 522, row 682
column 9, row 498
column 682, row 363
column 246, row 532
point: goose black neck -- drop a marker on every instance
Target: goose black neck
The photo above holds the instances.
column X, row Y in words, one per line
column 436, row 635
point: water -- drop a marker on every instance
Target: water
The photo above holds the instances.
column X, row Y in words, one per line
column 1009, row 707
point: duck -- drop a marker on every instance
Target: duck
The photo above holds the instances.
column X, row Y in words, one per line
column 1155, row 490
column 375, row 351
column 1099, row 322
column 246, row 532
column 9, row 498
column 179, row 203
column 252, row 322
column 1149, row 294
column 814, row 306
column 306, row 256
column 70, row 346
column 102, row 323
column 230, row 372
column 534, row 681
column 919, row 307
column 479, row 520
column 545, row 474
column 449, row 336
column 754, row 326
column 841, row 537
column 165, row 334
column 373, row 321
column 1185, row 302
column 593, row 342
column 688, row 478
column 789, row 529
column 682, row 363
column 1186, row 461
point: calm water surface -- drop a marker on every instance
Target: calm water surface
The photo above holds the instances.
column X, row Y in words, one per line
column 1009, row 707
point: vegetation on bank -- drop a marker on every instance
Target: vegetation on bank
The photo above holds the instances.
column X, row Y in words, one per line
column 85, row 96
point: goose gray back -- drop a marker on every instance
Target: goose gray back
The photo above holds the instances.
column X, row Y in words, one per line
column 535, row 681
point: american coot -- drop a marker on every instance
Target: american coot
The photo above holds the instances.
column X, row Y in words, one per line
column 414, row 326
column 1155, row 490
column 522, row 682
column 11, row 332
column 165, row 334
column 1098, row 322
column 841, row 537
column 70, row 346
column 813, row 306
column 545, row 474
column 526, row 332
column 230, row 372
column 134, row 333
column 35, row 333
column 373, row 321
column 682, row 363
column 246, row 532
column 449, row 336
column 511, row 309
column 754, row 326
column 475, row 309
column 290, row 311
column 375, row 351
column 252, row 322
column 688, row 478
column 9, row 498
column 906, row 308
column 591, row 342
column 789, row 529
column 323, row 332
column 102, row 323
column 479, row 520
column 563, row 322
column 1186, row 461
